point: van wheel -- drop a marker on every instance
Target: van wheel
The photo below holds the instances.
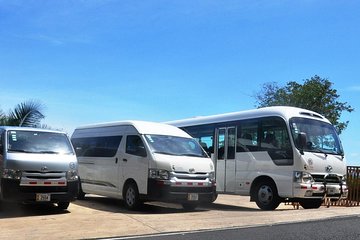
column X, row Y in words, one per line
column 63, row 205
column 266, row 196
column 131, row 196
column 189, row 206
column 311, row 203
column 81, row 194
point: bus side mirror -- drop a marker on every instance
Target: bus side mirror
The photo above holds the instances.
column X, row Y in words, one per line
column 302, row 142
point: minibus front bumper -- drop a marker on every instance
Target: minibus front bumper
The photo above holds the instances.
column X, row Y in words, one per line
column 181, row 192
column 320, row 190
column 12, row 191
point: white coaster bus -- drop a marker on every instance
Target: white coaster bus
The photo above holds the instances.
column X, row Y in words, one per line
column 274, row 154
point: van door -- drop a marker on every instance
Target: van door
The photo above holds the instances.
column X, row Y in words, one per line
column 225, row 159
column 135, row 162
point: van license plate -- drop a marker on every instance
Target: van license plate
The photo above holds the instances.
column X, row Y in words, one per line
column 193, row 196
column 43, row 197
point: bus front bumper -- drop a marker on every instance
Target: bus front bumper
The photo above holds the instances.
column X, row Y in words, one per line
column 320, row 190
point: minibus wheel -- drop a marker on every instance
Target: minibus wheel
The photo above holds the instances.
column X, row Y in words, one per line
column 131, row 196
column 63, row 205
column 266, row 196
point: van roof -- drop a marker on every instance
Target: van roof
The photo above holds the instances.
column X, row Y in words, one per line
column 15, row 128
column 143, row 127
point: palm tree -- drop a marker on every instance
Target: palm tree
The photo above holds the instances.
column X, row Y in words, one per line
column 25, row 114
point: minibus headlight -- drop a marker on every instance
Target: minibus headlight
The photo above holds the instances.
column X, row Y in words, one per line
column 11, row 174
column 71, row 175
column 159, row 174
column 302, row 177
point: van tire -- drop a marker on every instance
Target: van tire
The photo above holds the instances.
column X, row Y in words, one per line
column 131, row 196
column 311, row 203
column 266, row 195
column 81, row 194
column 63, row 205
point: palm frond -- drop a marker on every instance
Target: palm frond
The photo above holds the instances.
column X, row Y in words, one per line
column 26, row 114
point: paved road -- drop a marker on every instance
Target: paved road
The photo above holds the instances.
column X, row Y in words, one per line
column 99, row 217
column 336, row 228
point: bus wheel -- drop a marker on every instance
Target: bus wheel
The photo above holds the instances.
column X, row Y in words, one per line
column 266, row 196
column 189, row 206
column 131, row 196
column 63, row 205
column 311, row 203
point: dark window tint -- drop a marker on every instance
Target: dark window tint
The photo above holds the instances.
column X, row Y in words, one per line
column 204, row 135
column 96, row 146
column 135, row 146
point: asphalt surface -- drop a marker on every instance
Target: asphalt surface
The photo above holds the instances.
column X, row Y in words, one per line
column 100, row 217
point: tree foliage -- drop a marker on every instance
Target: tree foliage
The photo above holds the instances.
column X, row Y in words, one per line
column 25, row 114
column 314, row 94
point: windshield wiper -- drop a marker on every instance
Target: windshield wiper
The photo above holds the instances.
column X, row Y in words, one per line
column 50, row 152
column 20, row 150
column 320, row 151
column 191, row 155
column 167, row 153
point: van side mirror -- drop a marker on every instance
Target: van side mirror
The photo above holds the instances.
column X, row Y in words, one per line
column 302, row 142
column 141, row 151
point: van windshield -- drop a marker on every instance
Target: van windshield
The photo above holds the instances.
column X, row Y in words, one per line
column 178, row 146
column 320, row 136
column 38, row 142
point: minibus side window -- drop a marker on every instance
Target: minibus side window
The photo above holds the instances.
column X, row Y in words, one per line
column 1, row 144
column 135, row 146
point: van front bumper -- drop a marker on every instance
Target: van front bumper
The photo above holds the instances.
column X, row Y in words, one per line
column 164, row 191
column 12, row 191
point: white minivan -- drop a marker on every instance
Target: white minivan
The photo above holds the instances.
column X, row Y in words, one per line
column 143, row 161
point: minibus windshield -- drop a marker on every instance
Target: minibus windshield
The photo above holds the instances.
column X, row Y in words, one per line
column 320, row 136
column 172, row 145
column 38, row 142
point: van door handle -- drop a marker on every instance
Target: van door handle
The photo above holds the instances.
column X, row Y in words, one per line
column 124, row 160
column 116, row 160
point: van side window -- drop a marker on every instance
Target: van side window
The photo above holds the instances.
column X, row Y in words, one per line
column 96, row 146
column 135, row 146
column 1, row 143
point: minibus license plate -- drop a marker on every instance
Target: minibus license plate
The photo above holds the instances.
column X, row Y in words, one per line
column 43, row 197
column 193, row 196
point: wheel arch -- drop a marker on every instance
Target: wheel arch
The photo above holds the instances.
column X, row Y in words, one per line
column 257, row 180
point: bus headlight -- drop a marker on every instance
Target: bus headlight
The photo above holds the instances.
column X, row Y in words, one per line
column 11, row 174
column 159, row 174
column 302, row 177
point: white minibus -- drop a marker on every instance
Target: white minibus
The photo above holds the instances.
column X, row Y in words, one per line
column 274, row 154
column 37, row 166
column 143, row 161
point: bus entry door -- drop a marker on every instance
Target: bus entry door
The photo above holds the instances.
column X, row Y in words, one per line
column 225, row 159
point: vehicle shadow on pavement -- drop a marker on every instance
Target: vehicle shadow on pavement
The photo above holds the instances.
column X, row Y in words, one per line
column 14, row 210
column 115, row 205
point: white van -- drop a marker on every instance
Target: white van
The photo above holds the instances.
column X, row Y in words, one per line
column 142, row 161
column 37, row 166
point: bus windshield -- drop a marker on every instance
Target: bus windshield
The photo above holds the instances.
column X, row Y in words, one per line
column 38, row 142
column 172, row 145
column 320, row 136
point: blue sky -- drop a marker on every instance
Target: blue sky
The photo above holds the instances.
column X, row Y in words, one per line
column 103, row 60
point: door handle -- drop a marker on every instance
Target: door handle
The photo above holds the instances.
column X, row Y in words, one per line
column 116, row 160
column 124, row 160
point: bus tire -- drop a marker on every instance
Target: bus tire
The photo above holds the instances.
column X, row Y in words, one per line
column 131, row 196
column 310, row 203
column 266, row 195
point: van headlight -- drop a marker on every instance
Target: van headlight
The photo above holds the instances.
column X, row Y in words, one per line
column 11, row 174
column 71, row 175
column 303, row 177
column 159, row 174
column 212, row 176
